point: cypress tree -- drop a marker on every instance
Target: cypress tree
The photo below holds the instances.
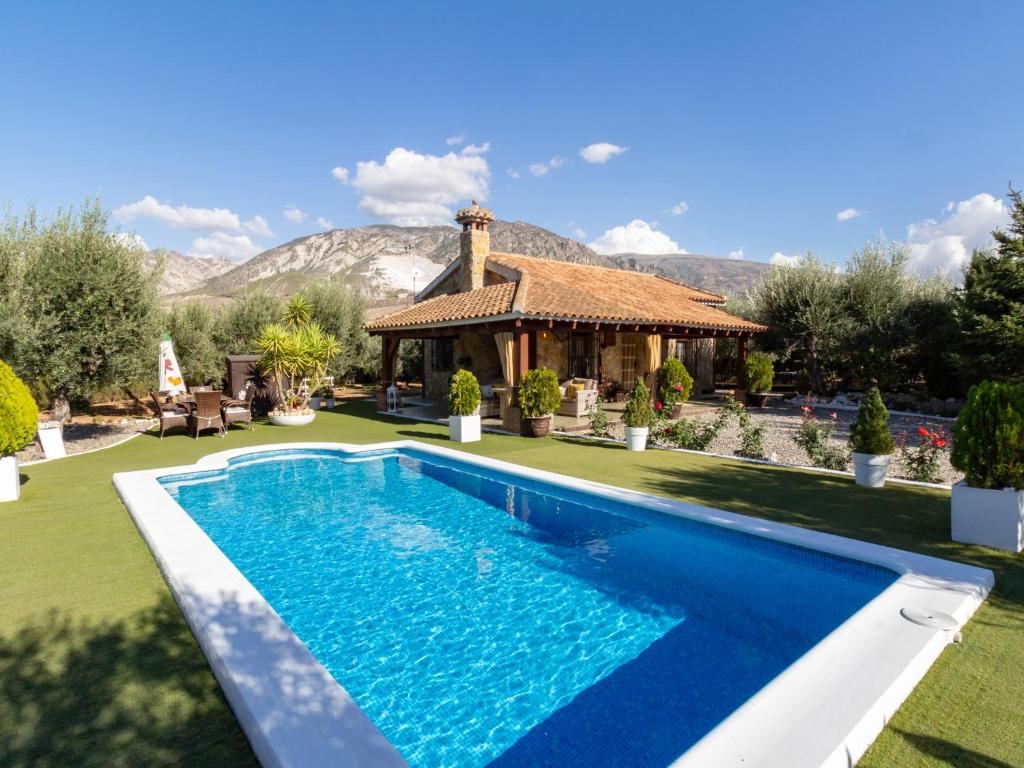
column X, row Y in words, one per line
column 870, row 432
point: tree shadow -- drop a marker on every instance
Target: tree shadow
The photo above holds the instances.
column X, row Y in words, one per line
column 113, row 693
column 949, row 753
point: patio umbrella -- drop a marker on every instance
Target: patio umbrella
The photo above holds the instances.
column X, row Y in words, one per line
column 171, row 381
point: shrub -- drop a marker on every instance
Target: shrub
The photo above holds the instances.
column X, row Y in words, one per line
column 922, row 463
column 815, row 437
column 18, row 412
column 870, row 432
column 599, row 420
column 751, row 436
column 759, row 372
column 674, row 383
column 538, row 393
column 463, row 394
column 988, row 437
column 695, row 435
column 638, row 412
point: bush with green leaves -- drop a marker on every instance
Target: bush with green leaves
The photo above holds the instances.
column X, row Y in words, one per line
column 463, row 393
column 697, row 434
column 759, row 372
column 292, row 355
column 539, row 394
column 599, row 421
column 674, row 383
column 815, row 437
column 923, row 463
column 638, row 412
column 18, row 413
column 988, row 437
column 751, row 436
column 870, row 432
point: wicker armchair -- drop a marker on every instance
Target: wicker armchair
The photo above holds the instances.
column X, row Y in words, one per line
column 170, row 415
column 238, row 411
column 206, row 414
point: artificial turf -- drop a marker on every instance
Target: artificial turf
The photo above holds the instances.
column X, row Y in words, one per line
column 98, row 668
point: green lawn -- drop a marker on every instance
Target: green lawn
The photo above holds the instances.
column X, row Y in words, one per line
column 97, row 666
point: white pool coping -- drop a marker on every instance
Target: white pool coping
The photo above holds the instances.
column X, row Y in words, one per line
column 822, row 712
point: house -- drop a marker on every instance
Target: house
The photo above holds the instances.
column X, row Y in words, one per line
column 499, row 314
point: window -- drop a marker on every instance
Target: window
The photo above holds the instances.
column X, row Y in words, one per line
column 442, row 354
column 627, row 349
column 582, row 356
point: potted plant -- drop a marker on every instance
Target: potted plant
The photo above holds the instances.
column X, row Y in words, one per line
column 988, row 447
column 464, row 407
column 18, row 418
column 759, row 374
column 871, row 441
column 51, row 437
column 674, row 386
column 539, row 398
column 288, row 356
column 637, row 417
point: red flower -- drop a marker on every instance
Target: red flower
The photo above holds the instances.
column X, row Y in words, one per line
column 679, row 387
column 939, row 443
column 658, row 405
column 922, row 432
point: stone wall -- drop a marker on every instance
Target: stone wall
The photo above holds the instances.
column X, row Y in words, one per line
column 474, row 351
column 552, row 352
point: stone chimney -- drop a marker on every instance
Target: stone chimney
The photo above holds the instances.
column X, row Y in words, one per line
column 474, row 245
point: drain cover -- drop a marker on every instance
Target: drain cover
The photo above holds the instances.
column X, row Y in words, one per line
column 933, row 619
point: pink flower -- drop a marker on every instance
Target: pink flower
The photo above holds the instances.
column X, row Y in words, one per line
column 658, row 405
column 834, row 415
column 805, row 408
column 679, row 387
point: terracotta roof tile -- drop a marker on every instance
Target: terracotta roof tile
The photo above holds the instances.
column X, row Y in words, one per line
column 488, row 301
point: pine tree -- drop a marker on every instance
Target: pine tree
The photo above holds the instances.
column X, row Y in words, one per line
column 991, row 304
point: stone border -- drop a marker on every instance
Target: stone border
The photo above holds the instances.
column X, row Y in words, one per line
column 823, row 711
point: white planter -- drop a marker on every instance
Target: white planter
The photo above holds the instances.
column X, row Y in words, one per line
column 314, row 403
column 636, row 438
column 984, row 516
column 869, row 469
column 291, row 419
column 330, row 402
column 10, row 483
column 464, row 429
column 51, row 436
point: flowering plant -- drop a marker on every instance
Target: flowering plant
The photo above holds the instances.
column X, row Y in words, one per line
column 923, row 461
column 815, row 437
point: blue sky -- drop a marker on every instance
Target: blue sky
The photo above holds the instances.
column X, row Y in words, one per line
column 766, row 119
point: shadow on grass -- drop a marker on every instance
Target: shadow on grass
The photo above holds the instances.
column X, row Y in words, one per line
column 131, row 692
column 949, row 753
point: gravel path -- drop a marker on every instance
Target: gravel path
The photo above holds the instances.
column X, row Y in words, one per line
column 782, row 423
column 79, row 438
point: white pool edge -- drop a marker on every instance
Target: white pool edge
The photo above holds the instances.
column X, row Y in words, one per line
column 824, row 710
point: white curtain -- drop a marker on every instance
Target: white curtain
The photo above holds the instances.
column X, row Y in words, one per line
column 506, row 353
column 653, row 360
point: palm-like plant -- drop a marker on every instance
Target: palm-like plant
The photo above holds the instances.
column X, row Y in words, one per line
column 298, row 313
column 293, row 355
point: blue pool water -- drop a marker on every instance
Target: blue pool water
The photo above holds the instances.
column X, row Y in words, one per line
column 481, row 619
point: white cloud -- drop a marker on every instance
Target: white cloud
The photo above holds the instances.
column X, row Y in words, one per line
column 182, row 216
column 454, row 141
column 848, row 213
column 325, row 223
column 132, row 240
column 413, row 189
column 221, row 245
column 601, row 152
column 945, row 245
column 737, row 254
column 540, row 169
column 340, row 173
column 477, row 149
column 258, row 226
column 679, row 208
column 779, row 259
column 513, row 173
column 294, row 214
column 579, row 232
column 636, row 237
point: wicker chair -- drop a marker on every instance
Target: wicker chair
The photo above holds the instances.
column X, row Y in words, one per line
column 201, row 388
column 238, row 411
column 206, row 414
column 170, row 415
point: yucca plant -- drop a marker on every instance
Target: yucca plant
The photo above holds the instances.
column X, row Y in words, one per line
column 292, row 355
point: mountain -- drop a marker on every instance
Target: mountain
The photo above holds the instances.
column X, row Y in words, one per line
column 180, row 272
column 730, row 277
column 381, row 259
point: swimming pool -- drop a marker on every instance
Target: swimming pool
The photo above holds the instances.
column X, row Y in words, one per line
column 479, row 616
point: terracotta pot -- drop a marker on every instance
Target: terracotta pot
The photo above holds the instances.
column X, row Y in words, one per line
column 757, row 399
column 536, row 426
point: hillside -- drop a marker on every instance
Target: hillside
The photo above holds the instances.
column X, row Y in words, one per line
column 180, row 272
column 730, row 277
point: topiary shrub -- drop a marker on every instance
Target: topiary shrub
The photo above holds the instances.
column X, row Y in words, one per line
column 19, row 416
column 759, row 372
column 988, row 437
column 539, row 394
column 870, row 432
column 463, row 393
column 638, row 412
column 674, row 383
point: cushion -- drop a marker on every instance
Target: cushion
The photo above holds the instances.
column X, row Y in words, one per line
column 174, row 412
column 579, row 386
column 236, row 409
column 486, row 392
